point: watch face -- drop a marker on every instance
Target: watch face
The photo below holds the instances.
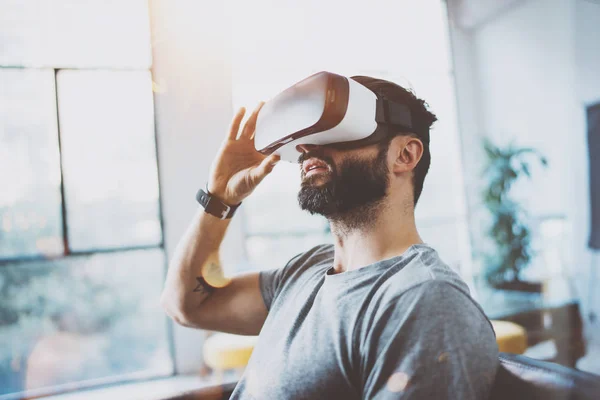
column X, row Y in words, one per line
column 202, row 198
column 214, row 206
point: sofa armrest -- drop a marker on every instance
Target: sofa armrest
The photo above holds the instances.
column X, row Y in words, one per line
column 216, row 392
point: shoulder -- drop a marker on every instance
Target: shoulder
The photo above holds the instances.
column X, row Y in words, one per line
column 318, row 254
column 433, row 332
column 321, row 254
column 427, row 286
column 433, row 313
column 305, row 267
column 317, row 258
column 432, row 302
column 424, row 269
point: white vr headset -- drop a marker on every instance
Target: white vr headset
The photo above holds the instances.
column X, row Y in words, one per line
column 327, row 109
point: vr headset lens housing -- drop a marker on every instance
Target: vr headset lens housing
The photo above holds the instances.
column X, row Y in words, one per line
column 326, row 109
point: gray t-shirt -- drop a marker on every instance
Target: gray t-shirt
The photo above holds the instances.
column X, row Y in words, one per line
column 401, row 328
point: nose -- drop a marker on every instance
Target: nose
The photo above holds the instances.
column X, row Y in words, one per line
column 305, row 148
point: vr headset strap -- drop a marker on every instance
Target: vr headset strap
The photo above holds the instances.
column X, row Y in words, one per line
column 393, row 114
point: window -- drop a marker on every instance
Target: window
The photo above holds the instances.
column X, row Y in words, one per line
column 81, row 248
column 402, row 41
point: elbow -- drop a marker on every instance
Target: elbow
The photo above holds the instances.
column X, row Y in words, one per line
column 176, row 310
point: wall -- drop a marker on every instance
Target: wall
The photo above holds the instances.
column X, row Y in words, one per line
column 526, row 78
column 587, row 53
column 526, row 75
column 587, row 71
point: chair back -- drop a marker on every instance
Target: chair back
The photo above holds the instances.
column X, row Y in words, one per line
column 521, row 377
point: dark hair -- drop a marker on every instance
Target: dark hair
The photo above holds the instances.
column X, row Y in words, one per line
column 422, row 120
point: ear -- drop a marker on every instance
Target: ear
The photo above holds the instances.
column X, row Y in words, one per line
column 408, row 151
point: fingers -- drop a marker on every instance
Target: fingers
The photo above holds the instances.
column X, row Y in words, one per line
column 235, row 124
column 265, row 168
column 250, row 125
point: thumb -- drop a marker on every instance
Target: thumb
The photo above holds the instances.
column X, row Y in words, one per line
column 265, row 167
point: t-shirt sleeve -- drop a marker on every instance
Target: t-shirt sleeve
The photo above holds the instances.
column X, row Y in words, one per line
column 434, row 342
column 270, row 281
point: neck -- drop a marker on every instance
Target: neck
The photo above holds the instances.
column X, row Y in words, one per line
column 363, row 237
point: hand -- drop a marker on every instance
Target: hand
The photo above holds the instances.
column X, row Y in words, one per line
column 238, row 168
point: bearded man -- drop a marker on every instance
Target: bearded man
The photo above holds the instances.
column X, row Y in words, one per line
column 375, row 315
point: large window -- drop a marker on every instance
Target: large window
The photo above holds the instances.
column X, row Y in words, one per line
column 81, row 247
column 402, row 41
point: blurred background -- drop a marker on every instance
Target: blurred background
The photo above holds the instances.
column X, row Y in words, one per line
column 111, row 113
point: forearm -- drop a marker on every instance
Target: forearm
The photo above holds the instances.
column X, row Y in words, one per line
column 197, row 252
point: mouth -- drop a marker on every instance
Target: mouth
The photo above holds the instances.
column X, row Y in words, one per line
column 314, row 167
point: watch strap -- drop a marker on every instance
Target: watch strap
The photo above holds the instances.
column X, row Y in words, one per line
column 214, row 206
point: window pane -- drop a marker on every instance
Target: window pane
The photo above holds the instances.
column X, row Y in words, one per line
column 273, row 206
column 30, row 200
column 75, row 33
column 266, row 252
column 82, row 318
column 109, row 159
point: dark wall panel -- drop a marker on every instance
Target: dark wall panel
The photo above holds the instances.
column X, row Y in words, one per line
column 593, row 117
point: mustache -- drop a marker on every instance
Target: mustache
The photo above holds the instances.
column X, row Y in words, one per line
column 318, row 155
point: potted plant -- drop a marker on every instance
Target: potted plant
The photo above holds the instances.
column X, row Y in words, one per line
column 509, row 231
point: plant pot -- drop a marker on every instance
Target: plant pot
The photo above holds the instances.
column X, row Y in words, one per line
column 520, row 286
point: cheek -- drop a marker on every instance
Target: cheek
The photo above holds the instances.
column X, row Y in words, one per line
column 390, row 159
column 366, row 154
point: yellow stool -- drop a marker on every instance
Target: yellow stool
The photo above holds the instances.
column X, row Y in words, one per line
column 511, row 338
column 223, row 351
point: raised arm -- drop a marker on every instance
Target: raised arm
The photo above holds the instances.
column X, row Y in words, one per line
column 196, row 292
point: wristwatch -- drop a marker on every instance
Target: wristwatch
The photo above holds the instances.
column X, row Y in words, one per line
column 214, row 206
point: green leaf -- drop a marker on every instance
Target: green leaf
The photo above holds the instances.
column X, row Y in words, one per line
column 508, row 228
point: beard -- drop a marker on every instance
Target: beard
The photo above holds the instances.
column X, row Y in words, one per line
column 352, row 195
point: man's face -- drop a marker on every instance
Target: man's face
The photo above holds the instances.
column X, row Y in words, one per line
column 337, row 182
